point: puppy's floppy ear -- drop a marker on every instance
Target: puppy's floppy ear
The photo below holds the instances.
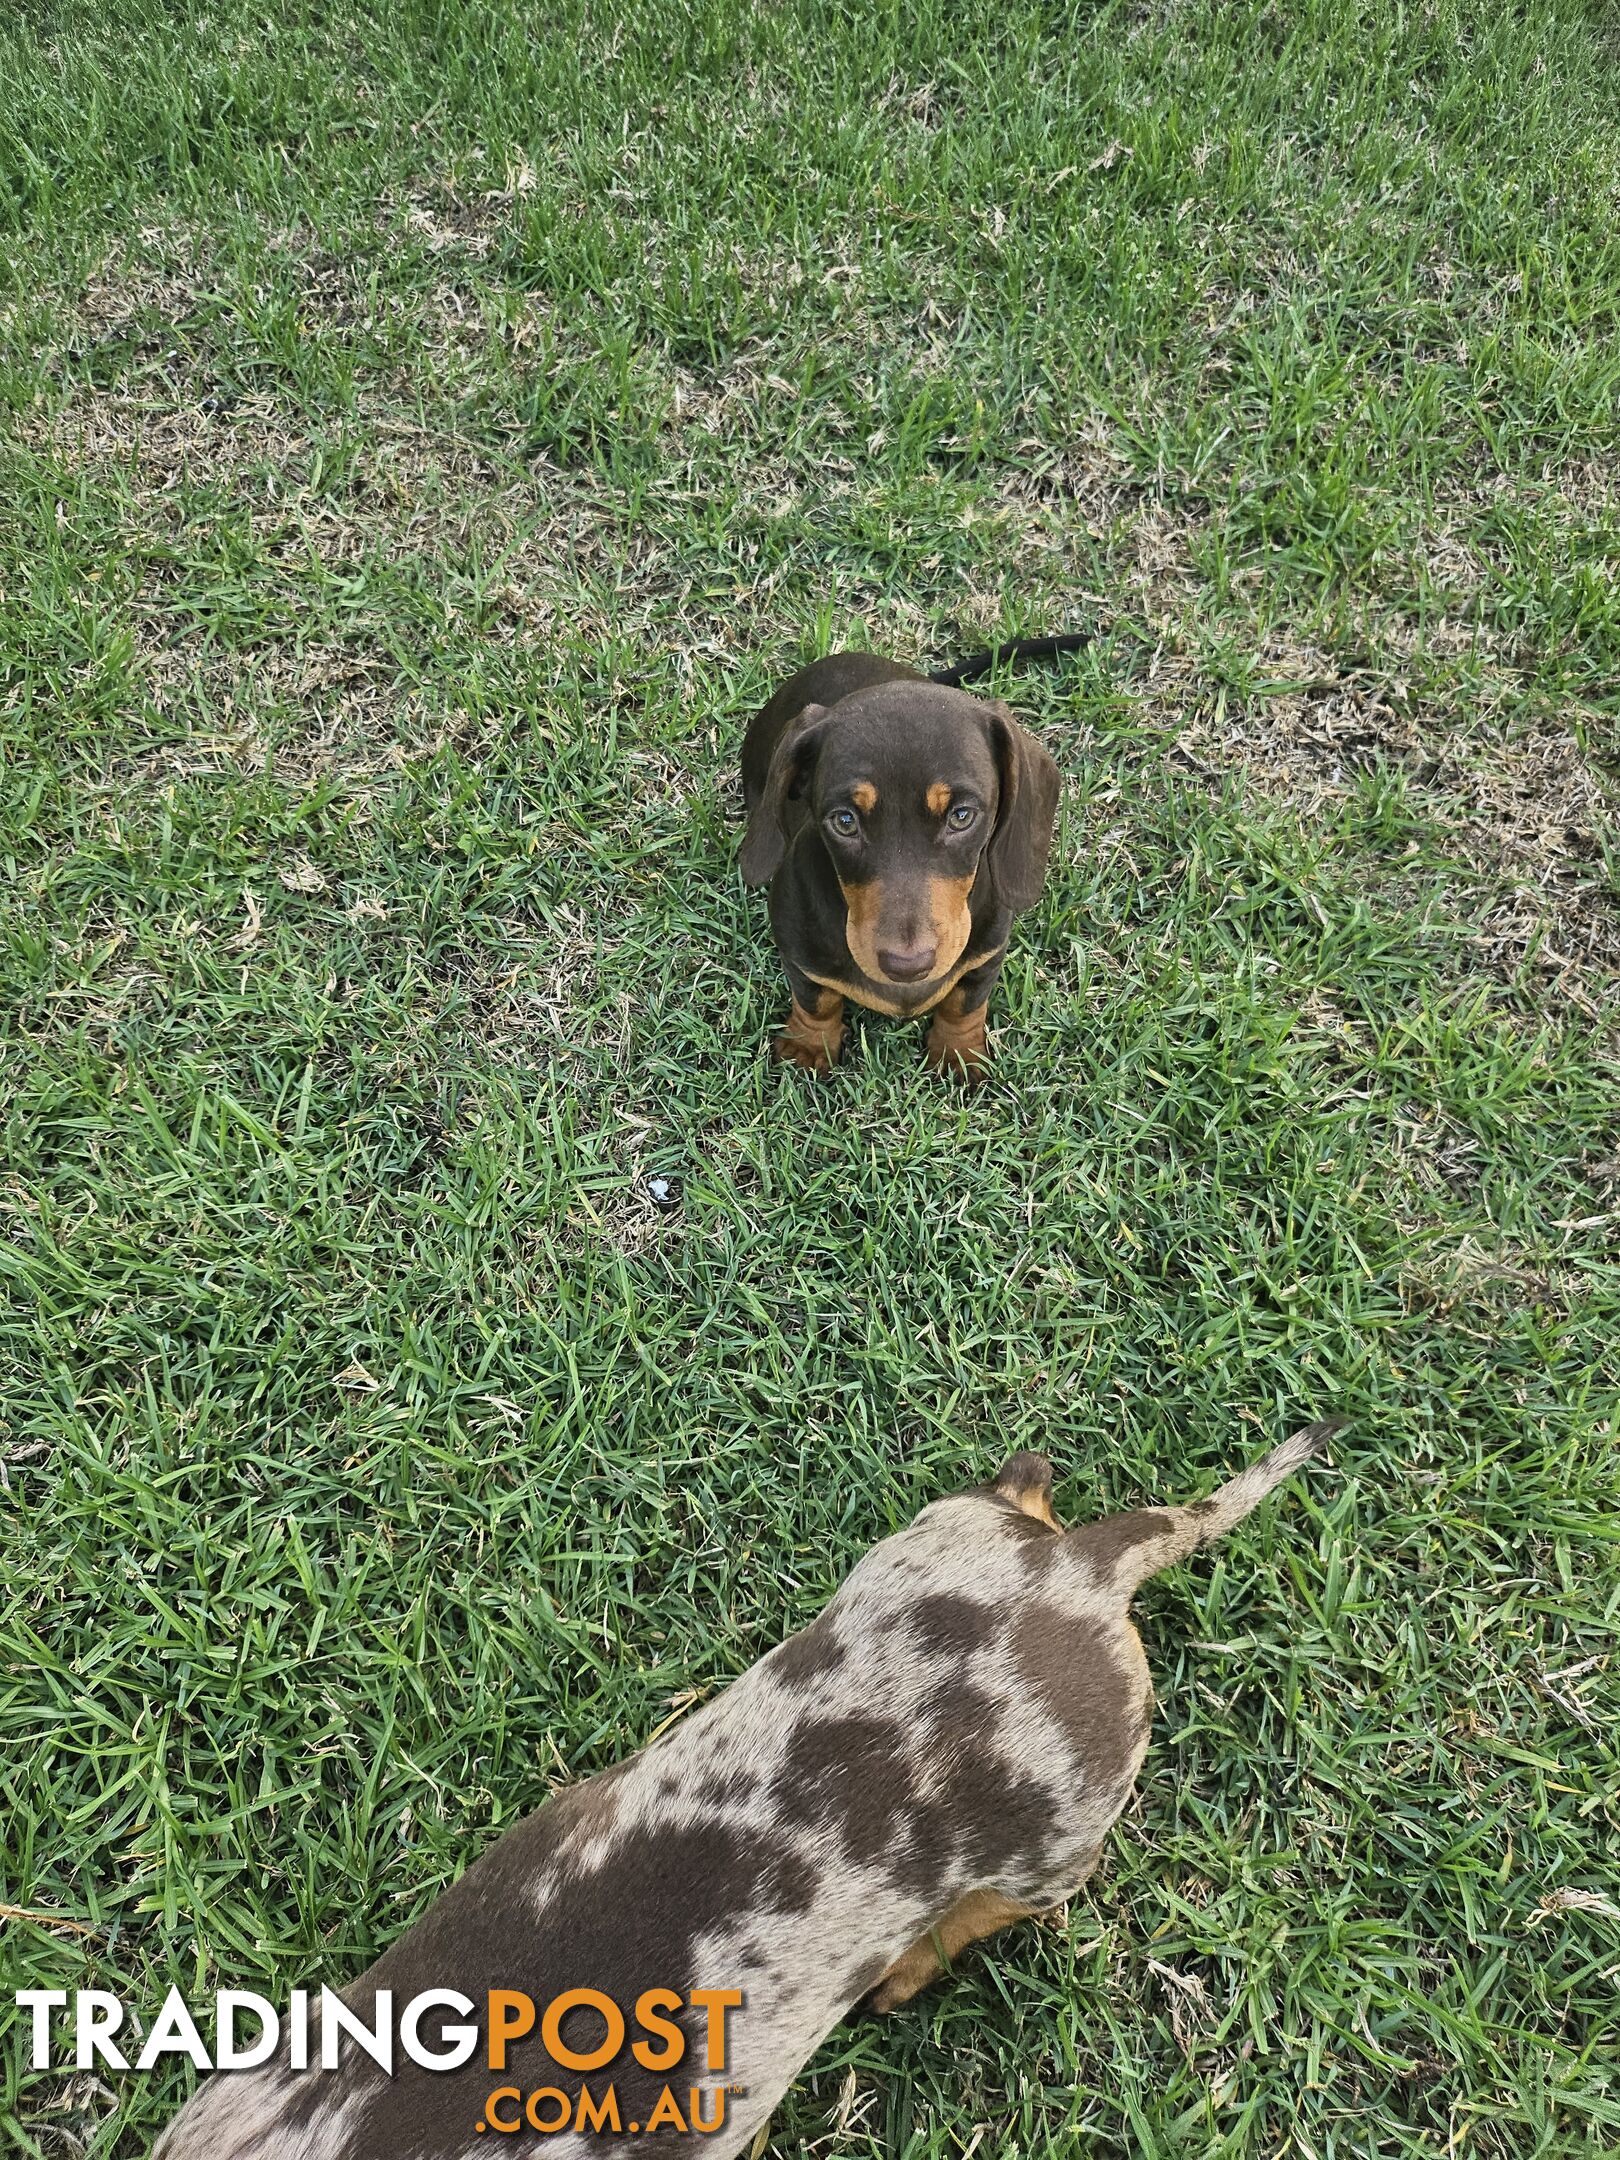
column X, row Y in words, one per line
column 1022, row 839
column 792, row 762
column 1026, row 1480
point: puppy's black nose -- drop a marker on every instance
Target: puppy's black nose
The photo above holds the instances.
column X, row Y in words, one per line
column 913, row 965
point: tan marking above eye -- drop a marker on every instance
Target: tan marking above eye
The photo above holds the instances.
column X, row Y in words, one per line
column 864, row 796
column 939, row 797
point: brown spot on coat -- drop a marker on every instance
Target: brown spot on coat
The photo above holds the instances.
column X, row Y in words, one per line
column 815, row 1649
column 681, row 1879
column 1074, row 1675
column 1105, row 1543
column 977, row 1813
column 864, row 796
column 956, row 1626
column 728, row 1788
column 848, row 1775
column 939, row 797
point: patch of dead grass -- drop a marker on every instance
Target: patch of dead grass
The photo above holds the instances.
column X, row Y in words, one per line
column 1508, row 788
column 1467, row 1278
column 578, row 565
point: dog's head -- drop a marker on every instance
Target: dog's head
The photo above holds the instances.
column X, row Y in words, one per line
column 914, row 791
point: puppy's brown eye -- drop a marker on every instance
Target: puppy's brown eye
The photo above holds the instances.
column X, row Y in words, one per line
column 845, row 823
column 961, row 816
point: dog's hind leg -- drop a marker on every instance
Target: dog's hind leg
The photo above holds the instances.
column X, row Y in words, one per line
column 970, row 1919
column 980, row 1913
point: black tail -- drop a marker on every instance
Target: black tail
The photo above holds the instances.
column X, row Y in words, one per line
column 1031, row 648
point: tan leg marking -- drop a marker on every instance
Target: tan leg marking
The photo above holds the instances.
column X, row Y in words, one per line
column 970, row 1919
column 956, row 1040
column 812, row 1040
column 978, row 1914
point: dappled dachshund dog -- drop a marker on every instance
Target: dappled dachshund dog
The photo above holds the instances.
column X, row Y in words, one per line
column 941, row 1752
column 901, row 824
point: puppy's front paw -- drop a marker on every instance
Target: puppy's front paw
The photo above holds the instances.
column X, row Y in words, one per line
column 813, row 1036
column 810, row 1057
column 953, row 1056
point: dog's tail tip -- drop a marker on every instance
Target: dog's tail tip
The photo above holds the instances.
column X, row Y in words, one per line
column 994, row 656
column 1311, row 1442
column 1308, row 1445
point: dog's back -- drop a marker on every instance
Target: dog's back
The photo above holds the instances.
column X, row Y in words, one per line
column 956, row 1732
column 791, row 1839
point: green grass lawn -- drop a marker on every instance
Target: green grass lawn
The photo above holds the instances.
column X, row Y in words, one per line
column 428, row 431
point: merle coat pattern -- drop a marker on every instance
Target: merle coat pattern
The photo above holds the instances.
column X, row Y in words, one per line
column 942, row 1751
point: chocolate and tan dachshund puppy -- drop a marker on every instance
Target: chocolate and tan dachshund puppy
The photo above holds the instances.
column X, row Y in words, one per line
column 941, row 1752
column 901, row 824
